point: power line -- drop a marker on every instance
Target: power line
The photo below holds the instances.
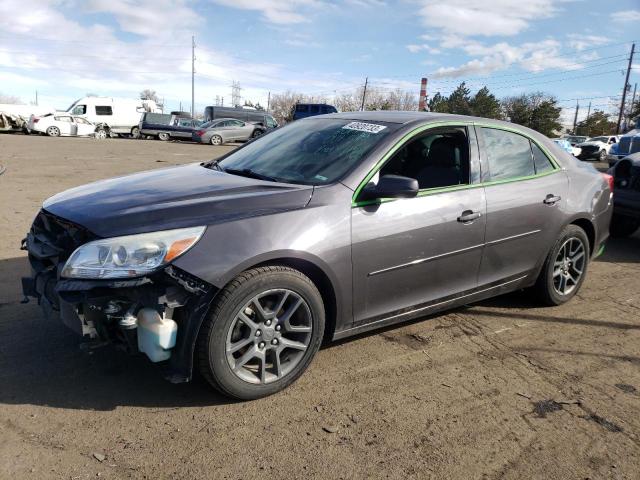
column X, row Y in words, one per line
column 57, row 54
column 569, row 53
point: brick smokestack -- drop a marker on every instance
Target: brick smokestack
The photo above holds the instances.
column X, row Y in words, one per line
column 422, row 105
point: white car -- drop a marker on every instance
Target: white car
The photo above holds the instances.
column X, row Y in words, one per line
column 61, row 124
column 597, row 147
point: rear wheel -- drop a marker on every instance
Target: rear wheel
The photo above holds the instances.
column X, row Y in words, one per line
column 135, row 132
column 565, row 267
column 53, row 131
column 622, row 226
column 256, row 133
column 216, row 140
column 262, row 332
column 101, row 134
column 164, row 136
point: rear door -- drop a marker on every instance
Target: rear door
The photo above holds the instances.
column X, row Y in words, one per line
column 409, row 253
column 526, row 195
column 65, row 124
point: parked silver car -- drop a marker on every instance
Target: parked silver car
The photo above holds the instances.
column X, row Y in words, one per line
column 222, row 130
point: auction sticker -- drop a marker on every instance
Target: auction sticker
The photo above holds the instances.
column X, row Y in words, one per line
column 364, row 127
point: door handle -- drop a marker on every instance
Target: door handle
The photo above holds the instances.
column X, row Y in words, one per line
column 551, row 199
column 468, row 216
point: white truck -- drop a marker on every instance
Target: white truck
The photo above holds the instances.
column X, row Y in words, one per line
column 120, row 115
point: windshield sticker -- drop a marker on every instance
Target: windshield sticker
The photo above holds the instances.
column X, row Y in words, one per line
column 364, row 127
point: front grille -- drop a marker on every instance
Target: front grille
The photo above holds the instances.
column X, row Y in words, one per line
column 589, row 149
column 54, row 238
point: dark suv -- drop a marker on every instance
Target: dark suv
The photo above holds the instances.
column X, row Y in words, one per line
column 626, row 200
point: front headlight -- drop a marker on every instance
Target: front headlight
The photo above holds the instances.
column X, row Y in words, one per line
column 130, row 256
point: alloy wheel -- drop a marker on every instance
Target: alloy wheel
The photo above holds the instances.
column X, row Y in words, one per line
column 269, row 336
column 216, row 140
column 569, row 266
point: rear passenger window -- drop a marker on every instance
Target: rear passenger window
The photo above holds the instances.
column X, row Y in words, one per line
column 541, row 161
column 509, row 154
column 314, row 109
column 302, row 108
column 106, row 110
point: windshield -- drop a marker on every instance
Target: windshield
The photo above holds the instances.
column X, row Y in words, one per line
column 310, row 152
column 599, row 139
column 72, row 105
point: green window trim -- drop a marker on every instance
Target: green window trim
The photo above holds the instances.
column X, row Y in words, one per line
column 432, row 191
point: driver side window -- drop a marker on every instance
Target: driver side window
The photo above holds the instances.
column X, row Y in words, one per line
column 435, row 159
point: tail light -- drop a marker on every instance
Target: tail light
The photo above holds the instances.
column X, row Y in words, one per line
column 609, row 179
column 200, row 132
column 36, row 120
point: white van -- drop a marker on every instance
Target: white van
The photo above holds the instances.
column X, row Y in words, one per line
column 122, row 115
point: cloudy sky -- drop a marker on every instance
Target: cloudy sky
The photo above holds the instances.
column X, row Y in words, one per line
column 67, row 48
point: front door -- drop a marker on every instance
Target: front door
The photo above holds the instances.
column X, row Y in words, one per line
column 410, row 253
column 526, row 193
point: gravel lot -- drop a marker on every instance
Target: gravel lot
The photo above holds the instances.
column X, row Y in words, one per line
column 501, row 389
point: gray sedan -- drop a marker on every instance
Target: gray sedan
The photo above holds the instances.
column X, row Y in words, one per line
column 222, row 130
column 328, row 227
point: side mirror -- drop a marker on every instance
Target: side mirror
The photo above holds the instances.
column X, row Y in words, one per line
column 391, row 186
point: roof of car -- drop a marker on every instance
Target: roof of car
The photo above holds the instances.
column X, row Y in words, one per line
column 403, row 117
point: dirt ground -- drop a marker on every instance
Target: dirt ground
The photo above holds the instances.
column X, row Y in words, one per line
column 501, row 389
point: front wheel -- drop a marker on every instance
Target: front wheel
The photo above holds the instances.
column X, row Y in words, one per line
column 565, row 267
column 256, row 133
column 164, row 136
column 135, row 132
column 602, row 156
column 262, row 332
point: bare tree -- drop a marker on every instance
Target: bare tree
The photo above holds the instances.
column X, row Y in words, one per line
column 283, row 104
column 376, row 99
column 148, row 94
column 9, row 99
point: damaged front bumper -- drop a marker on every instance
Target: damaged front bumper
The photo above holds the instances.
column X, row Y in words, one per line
column 115, row 311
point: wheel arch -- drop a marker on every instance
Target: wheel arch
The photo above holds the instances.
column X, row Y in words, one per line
column 320, row 279
column 587, row 225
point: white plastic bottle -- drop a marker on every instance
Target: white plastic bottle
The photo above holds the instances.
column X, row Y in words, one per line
column 156, row 335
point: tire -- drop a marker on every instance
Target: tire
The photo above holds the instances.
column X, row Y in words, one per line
column 216, row 140
column 53, row 131
column 101, row 134
column 164, row 136
column 135, row 132
column 270, row 336
column 602, row 156
column 547, row 285
column 256, row 133
column 622, row 226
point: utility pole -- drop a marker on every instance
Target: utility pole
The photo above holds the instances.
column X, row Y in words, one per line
column 624, row 90
column 634, row 96
column 193, row 76
column 575, row 118
column 269, row 101
column 364, row 93
column 587, row 120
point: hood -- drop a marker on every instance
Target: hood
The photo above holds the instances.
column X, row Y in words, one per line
column 596, row 143
column 177, row 197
